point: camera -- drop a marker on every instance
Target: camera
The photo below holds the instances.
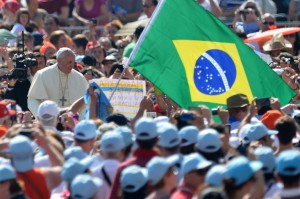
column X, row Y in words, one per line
column 21, row 63
column 214, row 111
column 186, row 117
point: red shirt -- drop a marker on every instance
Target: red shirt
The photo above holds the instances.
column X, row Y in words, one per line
column 140, row 157
column 183, row 192
column 35, row 184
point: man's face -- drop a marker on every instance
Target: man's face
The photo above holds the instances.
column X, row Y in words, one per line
column 33, row 5
column 50, row 25
column 41, row 65
column 66, row 62
column 148, row 7
column 62, row 42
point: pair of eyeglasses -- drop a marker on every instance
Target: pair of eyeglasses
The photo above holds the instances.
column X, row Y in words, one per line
column 270, row 23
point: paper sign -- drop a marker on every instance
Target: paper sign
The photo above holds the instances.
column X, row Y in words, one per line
column 127, row 97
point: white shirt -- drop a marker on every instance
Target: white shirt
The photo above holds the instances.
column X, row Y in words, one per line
column 207, row 6
column 110, row 166
column 50, row 84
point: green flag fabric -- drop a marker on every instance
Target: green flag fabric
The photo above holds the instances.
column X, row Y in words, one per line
column 194, row 58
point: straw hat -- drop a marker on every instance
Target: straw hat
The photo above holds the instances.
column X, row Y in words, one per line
column 277, row 43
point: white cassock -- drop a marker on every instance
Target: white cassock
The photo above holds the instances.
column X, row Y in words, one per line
column 52, row 84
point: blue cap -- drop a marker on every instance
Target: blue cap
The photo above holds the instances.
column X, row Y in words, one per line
column 267, row 157
column 73, row 167
column 126, row 134
column 258, row 131
column 188, row 135
column 145, row 129
column 215, row 176
column 21, row 153
column 133, row 178
column 208, row 141
column 85, row 186
column 85, row 130
column 158, row 167
column 7, row 172
column 241, row 169
column 193, row 161
column 75, row 152
column 112, row 142
column 168, row 135
column 288, row 163
column 243, row 133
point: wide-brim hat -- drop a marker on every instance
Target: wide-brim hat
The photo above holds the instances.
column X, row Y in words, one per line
column 277, row 43
column 237, row 101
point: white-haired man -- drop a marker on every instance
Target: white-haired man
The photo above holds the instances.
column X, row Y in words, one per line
column 59, row 83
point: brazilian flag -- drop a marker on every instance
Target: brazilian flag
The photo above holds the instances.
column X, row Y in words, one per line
column 194, row 58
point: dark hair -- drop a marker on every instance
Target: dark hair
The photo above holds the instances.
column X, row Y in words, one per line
column 55, row 18
column 138, row 31
column 80, row 40
column 147, row 144
column 38, row 54
column 286, row 127
column 14, row 187
column 114, row 67
column 230, row 188
column 215, row 156
column 139, row 194
column 155, row 2
column 185, row 150
column 20, row 12
column 31, row 26
column 55, row 35
column 172, row 150
column 289, row 181
column 79, row 141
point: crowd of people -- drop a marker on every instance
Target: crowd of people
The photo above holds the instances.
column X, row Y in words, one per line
column 50, row 147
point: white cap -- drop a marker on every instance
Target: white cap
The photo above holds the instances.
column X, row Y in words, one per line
column 48, row 107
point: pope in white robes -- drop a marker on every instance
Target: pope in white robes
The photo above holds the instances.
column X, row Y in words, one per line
column 59, row 83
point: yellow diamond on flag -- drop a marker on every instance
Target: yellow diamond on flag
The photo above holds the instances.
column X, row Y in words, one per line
column 214, row 70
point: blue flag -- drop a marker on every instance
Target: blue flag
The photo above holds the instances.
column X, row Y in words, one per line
column 104, row 106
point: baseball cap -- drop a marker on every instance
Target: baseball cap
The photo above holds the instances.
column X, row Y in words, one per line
column 133, row 178
column 267, row 158
column 237, row 100
column 194, row 161
column 117, row 118
column 208, row 141
column 188, row 135
column 73, row 167
column 270, row 117
column 215, row 175
column 145, row 129
column 74, row 152
column 48, row 108
column 243, row 133
column 21, row 153
column 241, row 169
column 12, row 5
column 85, row 186
column 127, row 135
column 7, row 172
column 258, row 131
column 160, row 119
column 287, row 163
column 112, row 142
column 4, row 111
column 168, row 135
column 85, row 130
column 158, row 167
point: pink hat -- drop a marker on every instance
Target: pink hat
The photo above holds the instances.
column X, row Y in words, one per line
column 12, row 5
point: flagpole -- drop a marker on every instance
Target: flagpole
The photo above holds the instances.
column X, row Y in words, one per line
column 118, row 82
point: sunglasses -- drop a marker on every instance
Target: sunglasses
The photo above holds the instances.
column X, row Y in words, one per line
column 270, row 23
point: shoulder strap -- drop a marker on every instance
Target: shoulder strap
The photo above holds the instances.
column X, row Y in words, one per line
column 106, row 178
